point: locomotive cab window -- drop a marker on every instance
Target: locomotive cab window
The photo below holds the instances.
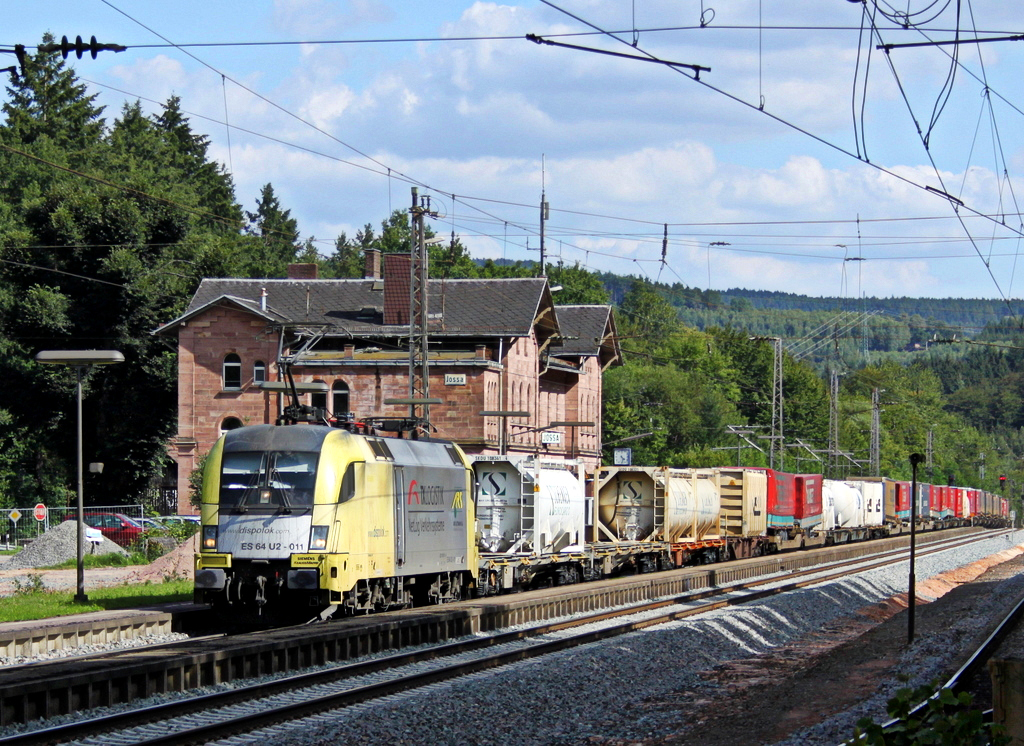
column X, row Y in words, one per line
column 279, row 480
column 348, row 482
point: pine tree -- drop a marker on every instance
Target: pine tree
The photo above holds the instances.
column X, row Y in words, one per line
column 275, row 235
column 48, row 102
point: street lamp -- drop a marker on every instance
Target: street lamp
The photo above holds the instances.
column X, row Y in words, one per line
column 79, row 360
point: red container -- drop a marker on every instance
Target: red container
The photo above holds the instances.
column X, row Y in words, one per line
column 781, row 499
column 808, row 508
column 903, row 500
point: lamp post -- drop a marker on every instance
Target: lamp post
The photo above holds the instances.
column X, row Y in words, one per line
column 915, row 460
column 79, row 360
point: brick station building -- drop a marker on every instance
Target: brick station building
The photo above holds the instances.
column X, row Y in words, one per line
column 498, row 345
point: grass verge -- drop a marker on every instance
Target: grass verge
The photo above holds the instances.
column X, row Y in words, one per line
column 93, row 561
column 31, row 601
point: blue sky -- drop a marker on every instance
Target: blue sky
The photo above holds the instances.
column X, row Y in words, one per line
column 797, row 150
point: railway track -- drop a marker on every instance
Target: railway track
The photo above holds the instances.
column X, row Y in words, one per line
column 247, row 708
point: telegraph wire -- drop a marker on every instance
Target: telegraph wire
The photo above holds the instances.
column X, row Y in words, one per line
column 464, row 200
column 924, row 137
column 509, row 37
column 817, row 138
column 469, row 200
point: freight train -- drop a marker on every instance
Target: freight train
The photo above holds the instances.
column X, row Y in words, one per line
column 305, row 521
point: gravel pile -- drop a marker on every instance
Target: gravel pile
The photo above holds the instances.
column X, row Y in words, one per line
column 58, row 545
column 177, row 564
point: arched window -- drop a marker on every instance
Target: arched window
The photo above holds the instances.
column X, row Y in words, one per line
column 230, row 423
column 259, row 372
column 339, row 398
column 232, row 372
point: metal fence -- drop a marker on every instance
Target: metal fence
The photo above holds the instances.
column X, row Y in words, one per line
column 19, row 526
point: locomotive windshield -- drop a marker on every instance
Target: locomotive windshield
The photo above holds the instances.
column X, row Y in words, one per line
column 276, row 479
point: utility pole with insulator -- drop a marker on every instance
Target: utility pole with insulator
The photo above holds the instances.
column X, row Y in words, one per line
column 876, row 426
column 419, row 371
column 544, row 212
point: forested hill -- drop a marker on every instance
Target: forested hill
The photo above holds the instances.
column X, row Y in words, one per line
column 739, row 308
column 966, row 313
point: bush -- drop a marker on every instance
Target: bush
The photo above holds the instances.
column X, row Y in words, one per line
column 946, row 720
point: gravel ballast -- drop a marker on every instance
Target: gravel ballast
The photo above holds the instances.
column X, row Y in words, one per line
column 601, row 693
column 649, row 688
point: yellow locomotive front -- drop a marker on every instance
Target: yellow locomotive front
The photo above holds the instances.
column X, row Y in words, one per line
column 299, row 521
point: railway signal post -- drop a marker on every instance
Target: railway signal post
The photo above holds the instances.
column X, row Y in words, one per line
column 915, row 460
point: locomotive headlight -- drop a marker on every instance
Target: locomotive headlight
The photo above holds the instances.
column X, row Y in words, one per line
column 318, row 538
column 210, row 537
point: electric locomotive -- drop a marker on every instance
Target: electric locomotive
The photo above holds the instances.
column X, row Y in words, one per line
column 303, row 520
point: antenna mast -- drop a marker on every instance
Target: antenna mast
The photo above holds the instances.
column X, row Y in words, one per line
column 543, row 219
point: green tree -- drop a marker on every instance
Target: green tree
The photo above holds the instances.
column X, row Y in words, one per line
column 97, row 262
column 274, row 237
column 47, row 103
column 649, row 317
column 579, row 286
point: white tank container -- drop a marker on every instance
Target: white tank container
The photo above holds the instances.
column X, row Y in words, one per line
column 693, row 505
column 843, row 505
column 529, row 506
column 873, row 494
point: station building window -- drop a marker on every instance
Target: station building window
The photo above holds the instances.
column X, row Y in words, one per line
column 229, row 423
column 259, row 372
column 232, row 372
column 339, row 398
column 318, row 399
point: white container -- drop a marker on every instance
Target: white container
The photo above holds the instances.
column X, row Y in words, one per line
column 693, row 507
column 873, row 494
column 843, row 505
column 528, row 506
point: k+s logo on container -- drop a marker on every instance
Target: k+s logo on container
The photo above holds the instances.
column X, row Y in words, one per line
column 494, row 483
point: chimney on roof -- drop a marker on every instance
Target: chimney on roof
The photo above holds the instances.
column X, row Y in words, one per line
column 308, row 271
column 396, row 288
column 372, row 266
column 263, row 299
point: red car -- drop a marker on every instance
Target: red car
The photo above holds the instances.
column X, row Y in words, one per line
column 117, row 527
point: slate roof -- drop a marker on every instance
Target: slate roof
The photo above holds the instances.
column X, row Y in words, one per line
column 584, row 329
column 354, row 308
column 587, row 331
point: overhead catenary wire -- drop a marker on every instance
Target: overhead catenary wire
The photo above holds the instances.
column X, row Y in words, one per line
column 585, row 251
column 703, row 82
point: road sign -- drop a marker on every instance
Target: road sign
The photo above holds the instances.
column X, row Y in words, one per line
column 14, row 515
column 39, row 512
